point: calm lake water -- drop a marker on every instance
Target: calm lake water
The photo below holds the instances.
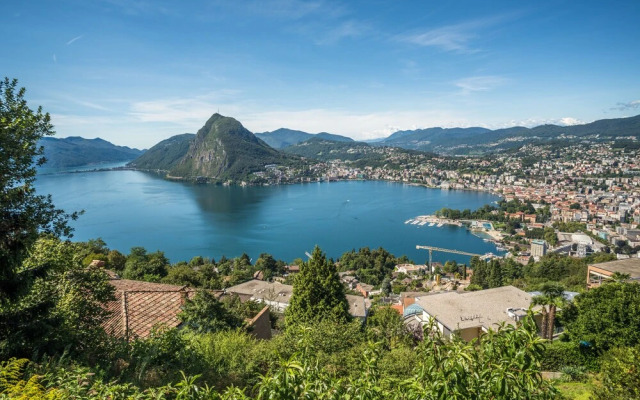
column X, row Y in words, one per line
column 131, row 208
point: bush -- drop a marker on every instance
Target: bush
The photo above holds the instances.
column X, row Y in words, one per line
column 620, row 375
column 558, row 355
column 573, row 374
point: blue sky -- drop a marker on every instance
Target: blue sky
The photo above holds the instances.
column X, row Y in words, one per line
column 135, row 72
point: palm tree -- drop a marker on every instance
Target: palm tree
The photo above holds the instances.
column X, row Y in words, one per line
column 619, row 277
column 550, row 299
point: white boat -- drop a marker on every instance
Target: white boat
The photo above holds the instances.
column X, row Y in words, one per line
column 422, row 223
column 432, row 224
column 407, row 221
column 414, row 222
column 440, row 225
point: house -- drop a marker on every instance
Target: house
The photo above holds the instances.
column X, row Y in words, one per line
column 364, row 289
column 278, row 296
column 292, row 269
column 140, row 306
column 470, row 314
column 597, row 273
column 274, row 294
column 410, row 269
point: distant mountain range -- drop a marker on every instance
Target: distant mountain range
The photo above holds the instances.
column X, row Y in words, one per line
column 482, row 140
column 75, row 151
column 281, row 138
column 474, row 140
column 222, row 150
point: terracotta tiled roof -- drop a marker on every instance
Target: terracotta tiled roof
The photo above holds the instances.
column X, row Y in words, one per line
column 139, row 306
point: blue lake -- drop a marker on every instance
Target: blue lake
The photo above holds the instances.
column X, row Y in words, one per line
column 131, row 208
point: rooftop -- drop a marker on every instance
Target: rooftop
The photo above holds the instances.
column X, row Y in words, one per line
column 484, row 308
column 281, row 293
column 629, row 266
column 264, row 291
column 140, row 306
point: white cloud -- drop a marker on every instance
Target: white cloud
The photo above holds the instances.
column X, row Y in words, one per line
column 447, row 38
column 632, row 105
column 74, row 39
column 457, row 37
column 185, row 112
column 480, row 83
column 533, row 122
column 347, row 29
column 568, row 121
column 359, row 126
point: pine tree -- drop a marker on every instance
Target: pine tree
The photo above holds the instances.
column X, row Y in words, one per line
column 318, row 293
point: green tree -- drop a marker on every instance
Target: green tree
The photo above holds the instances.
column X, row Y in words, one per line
column 116, row 260
column 141, row 265
column 318, row 293
column 269, row 266
column 23, row 213
column 605, row 317
column 63, row 311
column 384, row 324
column 386, row 286
column 206, row 314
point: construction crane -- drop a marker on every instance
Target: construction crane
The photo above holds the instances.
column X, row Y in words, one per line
column 464, row 253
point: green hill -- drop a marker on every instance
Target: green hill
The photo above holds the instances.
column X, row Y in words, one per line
column 281, row 138
column 481, row 140
column 166, row 154
column 224, row 150
column 76, row 151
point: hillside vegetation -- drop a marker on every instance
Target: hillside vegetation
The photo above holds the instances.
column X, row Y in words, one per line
column 166, row 154
column 75, row 151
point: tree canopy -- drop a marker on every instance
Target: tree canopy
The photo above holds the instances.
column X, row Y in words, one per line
column 23, row 213
column 318, row 293
column 607, row 316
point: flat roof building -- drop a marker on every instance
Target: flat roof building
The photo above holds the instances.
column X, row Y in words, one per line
column 470, row 314
column 598, row 273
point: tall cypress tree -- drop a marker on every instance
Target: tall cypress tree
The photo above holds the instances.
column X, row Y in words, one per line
column 318, row 294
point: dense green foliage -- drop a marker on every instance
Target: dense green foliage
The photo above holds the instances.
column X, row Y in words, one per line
column 606, row 317
column 505, row 365
column 491, row 213
column 370, row 266
column 164, row 155
column 76, row 151
column 559, row 354
column 620, row 375
column 318, row 294
column 206, row 314
column 62, row 310
column 568, row 271
column 141, row 265
column 23, row 213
